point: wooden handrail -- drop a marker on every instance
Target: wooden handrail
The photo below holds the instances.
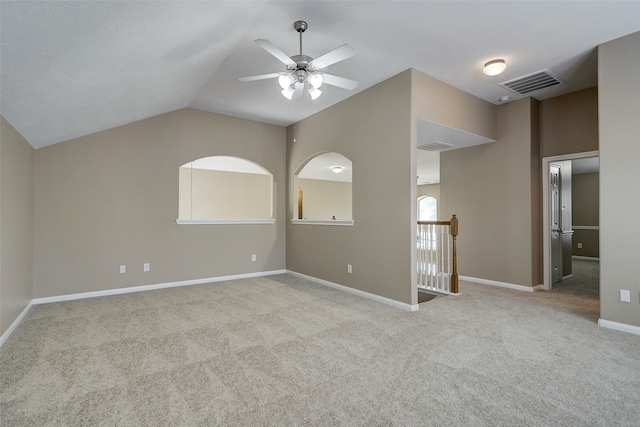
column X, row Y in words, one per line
column 453, row 230
column 435, row 222
column 454, row 274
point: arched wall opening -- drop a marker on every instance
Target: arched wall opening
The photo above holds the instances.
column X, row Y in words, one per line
column 323, row 190
column 224, row 188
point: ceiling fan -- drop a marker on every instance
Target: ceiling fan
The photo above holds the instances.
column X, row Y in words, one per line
column 303, row 71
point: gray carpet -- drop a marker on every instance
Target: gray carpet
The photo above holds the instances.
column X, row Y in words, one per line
column 581, row 293
column 282, row 351
column 585, row 281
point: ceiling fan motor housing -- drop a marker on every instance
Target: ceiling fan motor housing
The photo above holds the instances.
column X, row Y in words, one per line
column 302, row 68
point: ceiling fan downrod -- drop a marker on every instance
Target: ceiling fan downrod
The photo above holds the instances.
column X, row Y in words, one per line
column 300, row 27
column 301, row 70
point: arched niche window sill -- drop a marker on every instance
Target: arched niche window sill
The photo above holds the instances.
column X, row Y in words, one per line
column 340, row 222
column 224, row 221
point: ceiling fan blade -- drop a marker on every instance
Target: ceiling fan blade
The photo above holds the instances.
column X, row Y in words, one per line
column 332, row 80
column 336, row 55
column 280, row 55
column 299, row 91
column 260, row 77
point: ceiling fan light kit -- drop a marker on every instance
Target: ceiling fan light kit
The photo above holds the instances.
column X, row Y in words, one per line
column 316, row 80
column 288, row 92
column 285, row 80
column 302, row 70
column 314, row 92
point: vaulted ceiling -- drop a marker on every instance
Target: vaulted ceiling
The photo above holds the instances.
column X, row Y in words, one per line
column 73, row 68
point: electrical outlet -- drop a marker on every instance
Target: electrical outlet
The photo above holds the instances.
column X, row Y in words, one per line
column 123, row 269
column 349, row 269
column 625, row 296
column 146, row 267
column 253, row 257
column 579, row 245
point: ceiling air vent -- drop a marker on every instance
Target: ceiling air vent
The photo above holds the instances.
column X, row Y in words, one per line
column 436, row 146
column 531, row 82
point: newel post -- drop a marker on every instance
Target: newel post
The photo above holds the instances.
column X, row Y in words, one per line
column 454, row 275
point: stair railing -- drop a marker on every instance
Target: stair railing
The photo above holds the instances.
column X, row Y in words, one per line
column 437, row 255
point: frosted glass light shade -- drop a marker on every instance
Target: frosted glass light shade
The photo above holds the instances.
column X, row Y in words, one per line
column 285, row 80
column 315, row 93
column 495, row 67
column 316, row 80
column 288, row 92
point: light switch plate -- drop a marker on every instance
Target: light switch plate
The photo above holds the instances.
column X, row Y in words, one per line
column 625, row 296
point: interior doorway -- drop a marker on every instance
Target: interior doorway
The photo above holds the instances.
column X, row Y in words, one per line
column 555, row 193
column 563, row 241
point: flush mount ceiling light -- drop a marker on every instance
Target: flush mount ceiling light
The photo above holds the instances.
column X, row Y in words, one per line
column 494, row 67
column 303, row 71
column 336, row 169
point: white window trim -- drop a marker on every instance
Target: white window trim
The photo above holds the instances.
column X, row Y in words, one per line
column 339, row 222
column 224, row 221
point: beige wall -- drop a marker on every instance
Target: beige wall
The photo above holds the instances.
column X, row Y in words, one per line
column 372, row 129
column 439, row 102
column 535, row 167
column 586, row 204
column 432, row 190
column 619, row 113
column 111, row 198
column 324, row 199
column 586, row 198
column 497, row 212
column 590, row 240
column 16, row 224
column 376, row 129
column 569, row 123
column 212, row 194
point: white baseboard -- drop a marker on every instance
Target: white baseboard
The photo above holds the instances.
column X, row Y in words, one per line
column 502, row 284
column 119, row 291
column 623, row 327
column 384, row 300
column 15, row 323
column 585, row 258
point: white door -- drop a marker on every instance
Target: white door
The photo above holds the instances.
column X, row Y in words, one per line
column 556, row 223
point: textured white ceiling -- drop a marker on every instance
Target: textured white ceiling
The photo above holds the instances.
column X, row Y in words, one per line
column 69, row 69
